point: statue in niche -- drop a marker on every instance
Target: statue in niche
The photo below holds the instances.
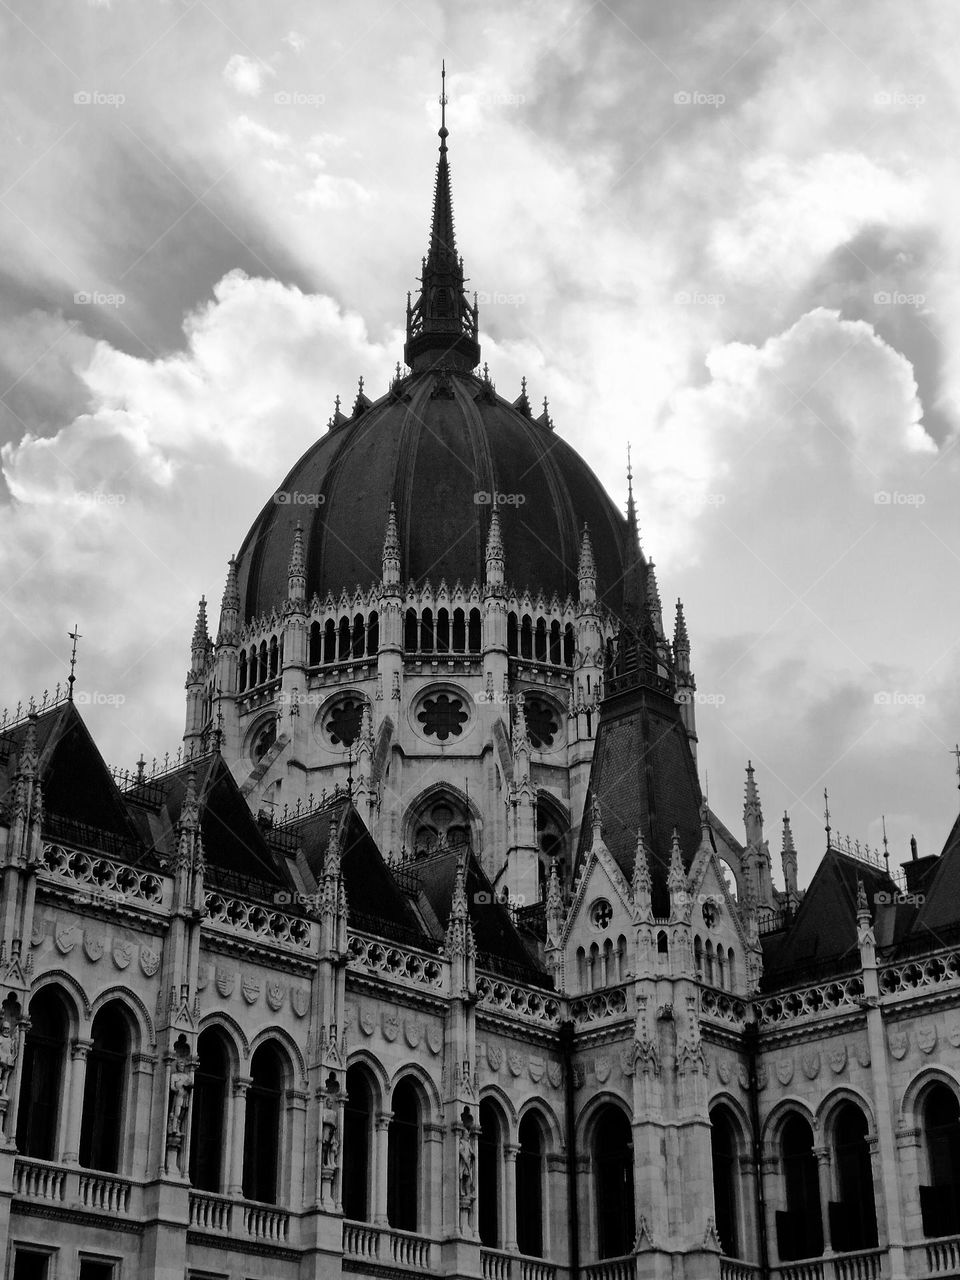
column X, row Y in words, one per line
column 467, row 1163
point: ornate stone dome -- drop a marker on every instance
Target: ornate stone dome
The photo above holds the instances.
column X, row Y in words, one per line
column 443, row 447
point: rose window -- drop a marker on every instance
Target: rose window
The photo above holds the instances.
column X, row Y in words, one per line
column 343, row 722
column 542, row 724
column 263, row 741
column 442, row 716
column 601, row 913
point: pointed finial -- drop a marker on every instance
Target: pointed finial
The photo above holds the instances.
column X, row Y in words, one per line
column 73, row 635
column 631, row 504
column 681, row 641
column 443, row 131
column 676, row 877
column 201, row 637
column 296, row 566
column 886, row 850
column 641, row 883
column 956, row 753
column 189, row 818
column 458, row 906
column 788, row 845
column 826, row 815
column 596, row 822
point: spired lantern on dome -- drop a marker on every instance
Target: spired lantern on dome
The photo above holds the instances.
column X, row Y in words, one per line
column 442, row 325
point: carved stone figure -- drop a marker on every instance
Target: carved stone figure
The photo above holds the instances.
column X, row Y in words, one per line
column 467, row 1161
column 8, row 1054
column 181, row 1085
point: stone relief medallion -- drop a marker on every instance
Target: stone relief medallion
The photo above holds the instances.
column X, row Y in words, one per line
column 536, row 1065
column 66, row 938
column 810, row 1063
column 122, row 953
column 300, row 1001
column 863, row 1053
column 274, row 995
column 579, row 1075
column 203, row 977
column 724, row 1070
column 899, row 1043
column 626, row 1061
column 368, row 1020
column 554, row 1073
column 926, row 1037
column 411, row 1032
column 250, row 989
column 390, row 1024
column 601, row 1069
column 784, row 1070
column 837, row 1058
column 763, row 1075
column 515, row 1062
column 435, row 1038
column 494, row 1056
column 38, row 932
column 92, row 947
column 225, row 980
column 743, row 1075
column 953, row 1035
column 149, row 961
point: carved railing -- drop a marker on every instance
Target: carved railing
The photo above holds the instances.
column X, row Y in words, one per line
column 495, row 1265
column 39, row 1180
column 257, row 920
column 611, row 1269
column 859, row 1266
column 721, row 1006
column 738, row 1269
column 809, row 1002
column 866, row 1264
column 399, row 964
column 936, row 1257
column 600, row 1006
column 266, row 1222
column 387, row 1245
column 210, row 1212
column 97, row 877
column 920, row 974
column 500, row 996
column 105, row 1192
column 809, row 1270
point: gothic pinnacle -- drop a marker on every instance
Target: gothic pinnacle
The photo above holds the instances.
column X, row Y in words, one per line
column 641, row 882
column 230, row 601
column 201, row 636
column 788, row 845
column 676, row 877
column 681, row 641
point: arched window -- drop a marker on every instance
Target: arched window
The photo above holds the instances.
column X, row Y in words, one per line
column 274, row 658
column 359, row 636
column 540, row 640
column 474, row 642
column 662, row 946
column 708, row 962
column 489, row 1164
column 315, row 650
column 726, row 1183
column 262, row 665
column 44, row 1052
column 373, row 634
column 404, row 1139
column 568, row 645
column 799, row 1226
column 242, row 671
column 254, row 666
column 581, row 969
column 530, row 1186
column 613, row 1164
column 357, row 1145
column 526, row 636
column 426, row 631
column 207, row 1136
column 410, row 631
column 698, row 955
column 853, row 1216
column 343, row 640
column 731, row 973
column 940, row 1198
column 329, row 641
column 556, row 644
column 459, row 631
column 261, row 1139
column 721, row 981
column 104, row 1090
column 513, row 643
column 443, row 631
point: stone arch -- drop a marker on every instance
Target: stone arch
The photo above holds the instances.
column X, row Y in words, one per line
column 290, row 1049
column 738, row 1114
column 436, row 793
column 429, row 1093
column 831, row 1104
column 238, row 1043
column 378, row 1075
column 79, row 1011
column 908, row 1115
column 498, row 1096
column 585, row 1121
column 138, row 1011
column 772, row 1126
column 548, row 1118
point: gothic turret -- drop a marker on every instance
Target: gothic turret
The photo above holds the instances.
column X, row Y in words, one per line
column 788, row 861
column 296, row 572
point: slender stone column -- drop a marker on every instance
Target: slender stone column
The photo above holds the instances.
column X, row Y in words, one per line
column 237, row 1131
column 70, row 1126
column 510, row 1152
column 380, row 1168
column 823, row 1182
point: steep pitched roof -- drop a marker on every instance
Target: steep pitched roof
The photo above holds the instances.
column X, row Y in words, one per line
column 940, row 887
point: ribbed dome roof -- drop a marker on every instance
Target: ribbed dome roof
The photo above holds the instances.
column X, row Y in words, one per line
column 431, row 445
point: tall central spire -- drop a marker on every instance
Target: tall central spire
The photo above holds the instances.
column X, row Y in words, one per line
column 442, row 323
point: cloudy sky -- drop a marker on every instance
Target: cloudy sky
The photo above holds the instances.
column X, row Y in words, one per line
column 725, row 232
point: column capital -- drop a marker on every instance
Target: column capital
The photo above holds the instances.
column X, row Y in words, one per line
column 823, row 1155
column 240, row 1085
column 80, row 1047
column 907, row 1137
column 510, row 1151
column 434, row 1132
column 383, row 1119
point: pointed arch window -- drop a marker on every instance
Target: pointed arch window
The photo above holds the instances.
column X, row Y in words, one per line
column 526, row 637
column 443, row 631
column 530, row 1162
column 459, row 631
column 404, row 1142
column 208, row 1109
column 410, row 631
column 357, row 1145
column 261, row 1139
column 329, row 641
column 359, row 636
column 475, row 637
column 373, row 634
column 613, row 1165
column 41, row 1082
column 853, row 1215
column 799, row 1226
column 489, row 1166
column 513, row 644
column 104, row 1091
column 940, row 1197
column 315, row 652
column 726, row 1182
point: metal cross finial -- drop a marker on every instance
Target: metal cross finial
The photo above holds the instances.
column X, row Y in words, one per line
column 886, row 851
column 956, row 752
column 74, row 635
column 826, row 815
column 443, row 98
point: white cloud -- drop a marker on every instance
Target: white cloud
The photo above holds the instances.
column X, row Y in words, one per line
column 246, row 75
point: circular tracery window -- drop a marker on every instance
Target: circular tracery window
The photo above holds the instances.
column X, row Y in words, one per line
column 601, row 913
column 263, row 741
column 442, row 716
column 542, row 722
column 343, row 721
